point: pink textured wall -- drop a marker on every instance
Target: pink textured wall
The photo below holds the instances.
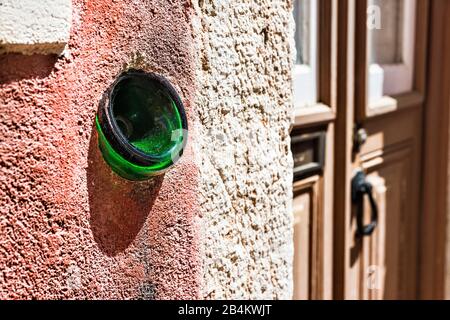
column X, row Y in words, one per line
column 69, row 227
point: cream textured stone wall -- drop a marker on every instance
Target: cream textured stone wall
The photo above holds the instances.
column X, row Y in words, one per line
column 244, row 107
column 34, row 26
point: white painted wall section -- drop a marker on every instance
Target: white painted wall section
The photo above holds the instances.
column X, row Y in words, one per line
column 34, row 26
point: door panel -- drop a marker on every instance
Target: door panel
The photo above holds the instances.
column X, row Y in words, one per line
column 308, row 240
column 302, row 234
column 384, row 255
column 384, row 265
column 385, row 138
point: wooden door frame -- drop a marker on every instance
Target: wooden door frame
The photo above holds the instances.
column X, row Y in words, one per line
column 434, row 282
column 320, row 117
column 343, row 141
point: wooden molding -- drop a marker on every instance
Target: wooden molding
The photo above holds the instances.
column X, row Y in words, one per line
column 314, row 115
column 311, row 263
column 435, row 186
column 396, row 103
column 343, row 143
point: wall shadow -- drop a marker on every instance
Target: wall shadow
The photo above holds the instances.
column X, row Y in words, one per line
column 356, row 250
column 118, row 207
column 15, row 67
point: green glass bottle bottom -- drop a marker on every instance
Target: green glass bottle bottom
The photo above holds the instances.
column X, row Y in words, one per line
column 123, row 167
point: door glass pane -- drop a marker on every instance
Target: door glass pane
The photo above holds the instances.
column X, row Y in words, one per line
column 391, row 39
column 302, row 19
column 386, row 41
column 305, row 69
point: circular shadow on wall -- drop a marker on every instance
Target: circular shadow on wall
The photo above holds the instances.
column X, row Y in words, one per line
column 118, row 207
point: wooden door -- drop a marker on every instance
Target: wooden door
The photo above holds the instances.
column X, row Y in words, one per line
column 380, row 97
column 312, row 147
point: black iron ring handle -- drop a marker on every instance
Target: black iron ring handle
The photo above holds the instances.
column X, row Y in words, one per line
column 360, row 188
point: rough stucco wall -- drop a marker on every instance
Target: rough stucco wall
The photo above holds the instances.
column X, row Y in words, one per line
column 68, row 226
column 244, row 103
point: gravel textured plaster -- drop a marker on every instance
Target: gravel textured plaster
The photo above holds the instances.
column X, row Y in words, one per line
column 244, row 105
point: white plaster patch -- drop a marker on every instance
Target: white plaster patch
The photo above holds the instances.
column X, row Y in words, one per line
column 34, row 26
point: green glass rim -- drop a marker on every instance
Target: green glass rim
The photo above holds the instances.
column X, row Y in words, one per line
column 123, row 167
column 117, row 140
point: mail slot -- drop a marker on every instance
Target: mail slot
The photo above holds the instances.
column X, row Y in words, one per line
column 309, row 154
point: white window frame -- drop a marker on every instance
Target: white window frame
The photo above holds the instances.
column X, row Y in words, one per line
column 305, row 76
column 394, row 79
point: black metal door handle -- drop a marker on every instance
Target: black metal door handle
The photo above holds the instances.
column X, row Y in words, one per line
column 360, row 188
